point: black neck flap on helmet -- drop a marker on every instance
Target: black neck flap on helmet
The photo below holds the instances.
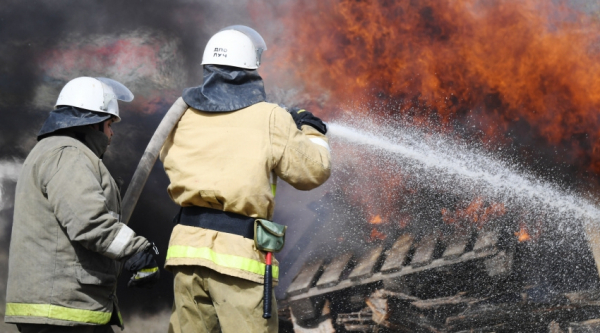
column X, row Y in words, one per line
column 226, row 89
column 70, row 116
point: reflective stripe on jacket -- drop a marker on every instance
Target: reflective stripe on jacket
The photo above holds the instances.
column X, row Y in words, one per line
column 225, row 253
column 66, row 238
column 57, row 313
column 224, row 161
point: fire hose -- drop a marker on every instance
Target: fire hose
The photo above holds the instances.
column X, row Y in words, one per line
column 147, row 161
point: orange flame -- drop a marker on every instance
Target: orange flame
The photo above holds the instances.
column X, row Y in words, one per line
column 517, row 71
column 520, row 66
column 522, row 234
column 376, row 235
column 477, row 212
column 376, row 220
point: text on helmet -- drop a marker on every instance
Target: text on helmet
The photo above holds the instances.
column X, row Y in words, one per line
column 220, row 52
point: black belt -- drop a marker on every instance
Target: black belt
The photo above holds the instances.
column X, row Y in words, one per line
column 217, row 220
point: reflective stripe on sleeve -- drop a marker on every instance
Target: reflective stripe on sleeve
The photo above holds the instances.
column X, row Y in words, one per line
column 119, row 243
column 221, row 259
column 142, row 273
column 57, row 312
column 320, row 142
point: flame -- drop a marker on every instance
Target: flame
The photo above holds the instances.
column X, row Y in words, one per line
column 376, row 235
column 477, row 212
column 516, row 70
column 376, row 220
column 504, row 72
column 522, row 234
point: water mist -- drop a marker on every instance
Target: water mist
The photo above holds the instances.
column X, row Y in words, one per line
column 440, row 163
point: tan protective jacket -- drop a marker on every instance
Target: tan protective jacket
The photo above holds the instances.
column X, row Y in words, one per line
column 66, row 238
column 224, row 161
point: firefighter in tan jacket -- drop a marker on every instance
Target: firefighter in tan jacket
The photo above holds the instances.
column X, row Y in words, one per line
column 219, row 159
column 67, row 241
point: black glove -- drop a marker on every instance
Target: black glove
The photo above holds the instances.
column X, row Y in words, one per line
column 303, row 117
column 145, row 269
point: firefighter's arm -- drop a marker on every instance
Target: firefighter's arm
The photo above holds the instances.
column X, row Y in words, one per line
column 73, row 188
column 302, row 157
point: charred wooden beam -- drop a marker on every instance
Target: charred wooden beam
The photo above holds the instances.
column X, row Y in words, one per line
column 321, row 324
column 584, row 297
column 424, row 250
column 333, row 286
column 519, row 317
column 436, row 303
column 333, row 271
column 500, row 264
column 305, row 279
column 396, row 255
column 307, row 309
column 456, row 245
column 361, row 321
column 285, row 318
column 592, row 233
column 486, row 240
column 588, row 326
column 392, row 310
column 365, row 264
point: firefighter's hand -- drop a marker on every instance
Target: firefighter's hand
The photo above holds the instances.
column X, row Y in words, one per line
column 144, row 268
column 303, row 117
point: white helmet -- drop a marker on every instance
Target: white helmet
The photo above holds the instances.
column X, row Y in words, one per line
column 94, row 94
column 237, row 46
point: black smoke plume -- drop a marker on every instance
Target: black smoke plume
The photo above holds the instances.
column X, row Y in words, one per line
column 153, row 47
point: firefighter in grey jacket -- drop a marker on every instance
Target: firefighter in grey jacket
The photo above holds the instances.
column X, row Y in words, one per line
column 67, row 242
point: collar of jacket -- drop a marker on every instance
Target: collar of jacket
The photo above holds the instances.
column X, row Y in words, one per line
column 95, row 140
column 69, row 116
column 226, row 89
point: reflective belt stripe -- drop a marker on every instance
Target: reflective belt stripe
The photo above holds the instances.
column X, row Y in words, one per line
column 320, row 142
column 121, row 240
column 149, row 270
column 225, row 260
column 57, row 312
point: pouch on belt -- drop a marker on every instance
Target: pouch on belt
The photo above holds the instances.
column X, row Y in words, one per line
column 269, row 236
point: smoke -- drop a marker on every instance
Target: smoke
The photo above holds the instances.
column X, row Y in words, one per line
column 9, row 172
column 153, row 47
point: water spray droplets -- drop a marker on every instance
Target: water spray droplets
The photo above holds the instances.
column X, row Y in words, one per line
column 440, row 163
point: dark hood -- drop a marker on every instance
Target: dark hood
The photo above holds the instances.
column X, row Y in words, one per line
column 226, row 89
column 69, row 116
column 94, row 139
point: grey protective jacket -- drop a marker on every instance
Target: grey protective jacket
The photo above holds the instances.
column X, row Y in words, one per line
column 67, row 241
